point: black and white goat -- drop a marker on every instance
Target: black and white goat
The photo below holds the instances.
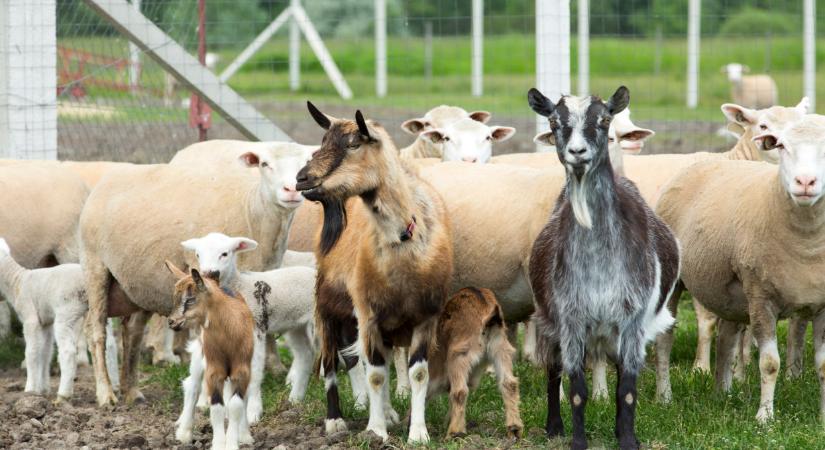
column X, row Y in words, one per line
column 601, row 269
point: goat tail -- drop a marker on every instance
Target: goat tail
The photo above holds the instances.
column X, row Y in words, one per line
column 328, row 346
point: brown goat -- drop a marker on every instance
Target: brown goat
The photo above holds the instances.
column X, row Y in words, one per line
column 392, row 262
column 471, row 334
column 226, row 326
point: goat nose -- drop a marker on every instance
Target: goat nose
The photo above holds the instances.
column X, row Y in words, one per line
column 469, row 159
column 302, row 175
column 805, row 181
column 576, row 151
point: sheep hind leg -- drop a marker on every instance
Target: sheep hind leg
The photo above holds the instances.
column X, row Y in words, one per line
column 664, row 346
column 82, row 350
column 819, row 360
column 763, row 321
column 501, row 353
column 302, row 359
column 599, row 368
column 132, row 335
column 706, row 321
column 97, row 284
column 111, row 355
column 46, row 359
column 254, row 402
column 67, row 333
column 402, row 383
column 727, row 345
column 795, row 354
column 273, row 357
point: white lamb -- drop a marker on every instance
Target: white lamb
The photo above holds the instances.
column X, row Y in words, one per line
column 752, row 91
column 51, row 304
column 282, row 301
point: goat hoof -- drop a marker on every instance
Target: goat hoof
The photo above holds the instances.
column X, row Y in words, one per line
column 61, row 399
column 333, row 426
column 134, row 396
column 578, row 444
column 456, row 434
column 514, row 431
column 391, row 416
column 106, row 398
column 183, row 435
column 418, row 434
column 629, row 443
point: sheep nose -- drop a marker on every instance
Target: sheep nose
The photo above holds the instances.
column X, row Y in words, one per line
column 290, row 188
column 576, row 151
column 805, row 181
column 470, row 159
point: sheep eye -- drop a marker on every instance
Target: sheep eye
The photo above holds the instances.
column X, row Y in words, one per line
column 610, row 139
column 489, row 138
column 446, row 138
column 264, row 164
column 224, row 255
column 763, row 127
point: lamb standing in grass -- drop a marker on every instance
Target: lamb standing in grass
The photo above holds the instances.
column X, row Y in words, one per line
column 226, row 326
column 752, row 91
column 752, row 237
column 51, row 304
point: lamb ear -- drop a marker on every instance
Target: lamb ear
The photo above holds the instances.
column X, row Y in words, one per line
column 436, row 136
column 619, row 100
column 196, row 277
column 804, row 105
column 480, row 116
column 501, row 134
column 542, row 105
column 243, row 244
column 739, row 114
column 320, row 118
column 190, row 244
column 249, row 159
column 546, row 138
column 176, row 272
column 414, row 126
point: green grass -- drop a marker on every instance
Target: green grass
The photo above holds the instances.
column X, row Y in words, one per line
column 699, row 417
column 509, row 68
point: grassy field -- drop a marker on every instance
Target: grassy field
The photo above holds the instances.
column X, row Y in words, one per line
column 509, row 67
column 699, row 417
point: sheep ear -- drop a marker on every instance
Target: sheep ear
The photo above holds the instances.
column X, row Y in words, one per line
column 480, row 116
column 436, row 136
column 414, row 126
column 190, row 244
column 804, row 105
column 250, row 159
column 320, row 118
column 546, row 138
column 619, row 100
column 767, row 140
column 362, row 126
column 501, row 134
column 542, row 105
column 244, row 245
column 638, row 134
column 196, row 277
column 173, row 269
column 739, row 114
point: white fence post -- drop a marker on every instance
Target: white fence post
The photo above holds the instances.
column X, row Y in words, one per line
column 584, row 47
column 134, row 58
column 809, row 11
column 694, row 18
column 294, row 51
column 478, row 48
column 380, row 48
column 28, row 79
column 552, row 53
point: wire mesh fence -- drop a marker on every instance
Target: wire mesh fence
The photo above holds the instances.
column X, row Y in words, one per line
column 114, row 102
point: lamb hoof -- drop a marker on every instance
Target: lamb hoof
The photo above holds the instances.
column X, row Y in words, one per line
column 246, row 438
column 219, row 444
column 764, row 415
column 418, row 434
column 254, row 410
column 391, row 416
column 333, row 426
column 183, row 434
column 135, row 396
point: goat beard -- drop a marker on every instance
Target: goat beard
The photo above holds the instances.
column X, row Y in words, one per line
column 578, row 200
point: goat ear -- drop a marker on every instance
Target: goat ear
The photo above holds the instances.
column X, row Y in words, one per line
column 414, row 126
column 250, row 159
column 244, row 245
column 190, row 244
column 767, row 140
column 320, row 118
column 745, row 117
column 362, row 125
column 501, row 134
column 173, row 269
column 546, row 138
column 804, row 105
column 480, row 116
column 638, row 134
column 540, row 104
column 619, row 100
column 436, row 136
column 196, row 277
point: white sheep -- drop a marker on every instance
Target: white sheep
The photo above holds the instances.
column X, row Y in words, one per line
column 467, row 140
column 752, row 236
column 161, row 205
column 438, row 117
column 752, row 91
column 51, row 304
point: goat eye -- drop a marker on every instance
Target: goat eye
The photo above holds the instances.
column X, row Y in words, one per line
column 610, row 139
column 489, row 138
column 553, row 123
column 763, row 127
column 264, row 164
column 605, row 122
column 224, row 255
